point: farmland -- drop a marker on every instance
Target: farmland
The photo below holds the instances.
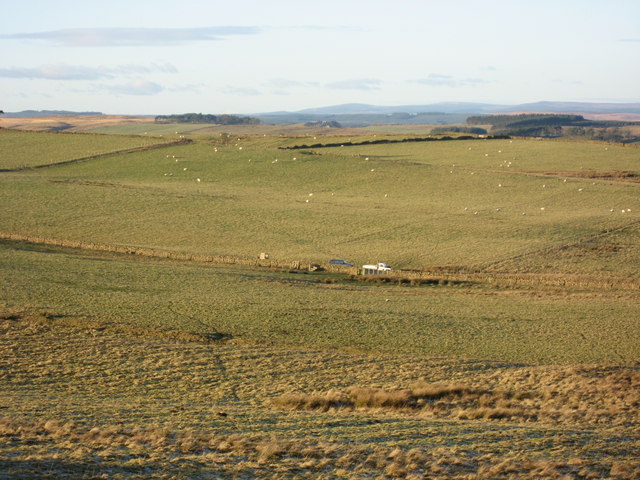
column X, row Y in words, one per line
column 142, row 337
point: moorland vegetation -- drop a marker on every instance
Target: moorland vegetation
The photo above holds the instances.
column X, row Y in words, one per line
column 142, row 335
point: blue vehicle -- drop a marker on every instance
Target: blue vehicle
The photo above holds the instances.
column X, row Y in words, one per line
column 338, row 261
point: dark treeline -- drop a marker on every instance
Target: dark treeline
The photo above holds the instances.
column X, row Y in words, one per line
column 388, row 140
column 554, row 125
column 457, row 129
column 207, row 118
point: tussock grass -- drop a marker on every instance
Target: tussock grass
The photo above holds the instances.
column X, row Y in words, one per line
column 591, row 396
column 80, row 402
column 158, row 453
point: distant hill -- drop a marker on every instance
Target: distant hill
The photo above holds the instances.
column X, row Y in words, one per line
column 470, row 107
column 46, row 113
column 569, row 107
column 362, row 108
column 361, row 114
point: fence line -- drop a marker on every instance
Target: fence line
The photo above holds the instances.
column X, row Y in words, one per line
column 440, row 276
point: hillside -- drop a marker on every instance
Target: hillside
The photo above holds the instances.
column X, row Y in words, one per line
column 168, row 310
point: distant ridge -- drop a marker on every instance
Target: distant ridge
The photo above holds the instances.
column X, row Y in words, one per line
column 569, row 107
column 470, row 107
column 46, row 113
column 362, row 114
column 362, row 108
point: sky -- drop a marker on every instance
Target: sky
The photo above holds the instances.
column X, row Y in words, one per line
column 250, row 56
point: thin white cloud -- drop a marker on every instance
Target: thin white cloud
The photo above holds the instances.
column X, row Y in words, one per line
column 79, row 72
column 440, row 80
column 282, row 83
column 356, row 84
column 633, row 40
column 131, row 69
column 135, row 87
column 240, row 91
column 132, row 37
column 189, row 88
column 55, row 72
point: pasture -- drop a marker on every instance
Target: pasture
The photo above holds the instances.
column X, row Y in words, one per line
column 31, row 149
column 463, row 204
column 519, row 357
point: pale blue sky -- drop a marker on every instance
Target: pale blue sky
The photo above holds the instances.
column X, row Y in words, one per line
column 249, row 56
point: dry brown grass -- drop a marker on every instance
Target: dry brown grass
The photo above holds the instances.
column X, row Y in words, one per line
column 71, row 122
column 154, row 452
column 589, row 395
column 85, row 402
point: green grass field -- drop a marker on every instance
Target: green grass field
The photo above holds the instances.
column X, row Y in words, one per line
column 528, row 325
column 30, row 149
column 115, row 365
column 406, row 204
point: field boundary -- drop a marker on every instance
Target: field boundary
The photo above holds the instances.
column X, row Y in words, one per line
column 486, row 267
column 145, row 251
column 392, row 140
column 441, row 276
column 182, row 141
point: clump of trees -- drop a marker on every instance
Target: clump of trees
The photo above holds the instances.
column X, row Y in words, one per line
column 207, row 118
column 555, row 125
column 458, row 129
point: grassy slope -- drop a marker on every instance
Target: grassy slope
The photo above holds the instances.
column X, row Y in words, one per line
column 405, row 205
column 28, row 149
column 533, row 325
column 116, row 395
column 98, row 403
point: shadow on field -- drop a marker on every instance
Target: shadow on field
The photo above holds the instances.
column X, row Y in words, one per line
column 97, row 468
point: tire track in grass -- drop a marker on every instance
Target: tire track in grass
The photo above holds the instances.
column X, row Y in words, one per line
column 220, row 365
column 547, row 250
